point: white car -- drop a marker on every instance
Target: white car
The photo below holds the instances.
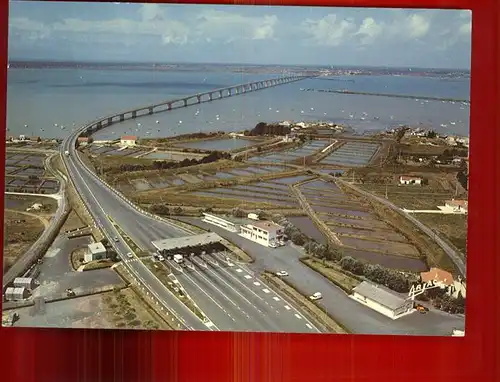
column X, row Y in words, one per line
column 282, row 273
column 315, row 296
column 116, row 239
column 129, row 255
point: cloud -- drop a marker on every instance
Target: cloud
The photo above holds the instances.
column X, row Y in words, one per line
column 231, row 26
column 417, row 26
column 29, row 29
column 369, row 30
column 151, row 12
column 329, row 30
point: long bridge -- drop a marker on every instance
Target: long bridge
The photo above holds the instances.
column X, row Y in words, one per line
column 193, row 99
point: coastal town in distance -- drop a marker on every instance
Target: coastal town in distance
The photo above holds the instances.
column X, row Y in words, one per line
column 175, row 193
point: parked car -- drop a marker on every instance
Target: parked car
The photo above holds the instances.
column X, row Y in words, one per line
column 129, row 255
column 421, row 309
column 315, row 296
column 70, row 292
column 116, row 239
column 282, row 273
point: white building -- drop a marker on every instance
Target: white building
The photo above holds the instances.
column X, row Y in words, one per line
column 96, row 251
column 404, row 179
column 457, row 205
column 220, row 222
column 24, row 282
column 128, row 140
column 16, row 294
column 263, row 232
column 253, row 216
column 382, row 300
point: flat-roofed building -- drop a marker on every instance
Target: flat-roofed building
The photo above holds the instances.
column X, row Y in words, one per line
column 382, row 300
column 220, row 222
column 457, row 205
column 24, row 282
column 263, row 232
column 96, row 251
column 405, row 179
column 16, row 294
column 168, row 245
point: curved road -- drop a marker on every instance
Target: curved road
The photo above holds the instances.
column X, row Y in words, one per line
column 231, row 300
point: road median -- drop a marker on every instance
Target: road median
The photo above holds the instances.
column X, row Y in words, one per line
column 319, row 314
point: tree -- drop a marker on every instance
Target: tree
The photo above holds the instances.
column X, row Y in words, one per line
column 347, row 263
column 298, row 238
column 237, row 212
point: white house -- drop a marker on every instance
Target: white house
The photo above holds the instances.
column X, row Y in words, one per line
column 382, row 300
column 451, row 140
column 128, row 140
column 263, row 232
column 457, row 205
column 253, row 216
column 96, row 251
column 405, row 179
column 220, row 222
column 438, row 276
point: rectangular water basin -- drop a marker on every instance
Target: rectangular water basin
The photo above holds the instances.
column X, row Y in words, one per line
column 307, row 227
column 249, row 199
column 339, row 211
column 383, row 246
column 219, row 144
column 388, row 261
column 292, row 180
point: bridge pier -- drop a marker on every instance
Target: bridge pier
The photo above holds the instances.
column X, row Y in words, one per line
column 99, row 125
column 134, row 114
column 198, row 97
column 220, row 94
column 150, row 110
column 185, row 102
column 110, row 121
column 210, row 96
column 169, row 106
column 122, row 117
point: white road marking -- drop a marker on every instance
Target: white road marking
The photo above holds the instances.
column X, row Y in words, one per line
column 298, row 316
column 287, row 307
column 239, row 270
column 256, row 283
column 276, row 298
column 266, row 290
column 248, row 277
column 235, row 291
column 309, row 326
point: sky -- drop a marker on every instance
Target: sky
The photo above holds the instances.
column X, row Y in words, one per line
column 239, row 34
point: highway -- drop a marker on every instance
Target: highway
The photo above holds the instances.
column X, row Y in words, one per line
column 232, row 301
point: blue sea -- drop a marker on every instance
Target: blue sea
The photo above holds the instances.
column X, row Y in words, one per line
column 52, row 102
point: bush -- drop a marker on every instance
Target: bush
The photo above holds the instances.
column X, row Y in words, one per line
column 298, row 238
column 237, row 212
column 177, row 210
column 159, row 209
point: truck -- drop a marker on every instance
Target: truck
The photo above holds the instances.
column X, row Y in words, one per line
column 178, row 259
column 66, row 153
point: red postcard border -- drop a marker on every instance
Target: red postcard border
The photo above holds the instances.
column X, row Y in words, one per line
column 98, row 355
